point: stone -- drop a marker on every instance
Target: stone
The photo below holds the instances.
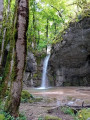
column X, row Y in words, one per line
column 70, row 58
column 31, row 65
column 31, row 68
column 88, row 118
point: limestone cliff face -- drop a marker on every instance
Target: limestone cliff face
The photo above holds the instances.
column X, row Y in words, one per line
column 70, row 58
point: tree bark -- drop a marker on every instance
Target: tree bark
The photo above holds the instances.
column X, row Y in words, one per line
column 13, row 101
column 4, row 31
column 1, row 17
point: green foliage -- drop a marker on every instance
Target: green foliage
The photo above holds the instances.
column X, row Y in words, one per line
column 49, row 117
column 27, row 97
column 83, row 114
column 7, row 116
column 0, row 78
column 59, row 13
column 2, row 117
column 67, row 110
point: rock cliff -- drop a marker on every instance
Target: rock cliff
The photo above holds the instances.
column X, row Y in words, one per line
column 33, row 71
column 70, row 59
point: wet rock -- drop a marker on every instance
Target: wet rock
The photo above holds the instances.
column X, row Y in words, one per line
column 70, row 59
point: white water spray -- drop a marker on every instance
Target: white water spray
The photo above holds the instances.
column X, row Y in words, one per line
column 44, row 83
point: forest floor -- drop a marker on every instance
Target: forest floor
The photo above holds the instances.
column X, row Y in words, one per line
column 52, row 98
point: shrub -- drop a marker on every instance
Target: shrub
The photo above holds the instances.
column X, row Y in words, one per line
column 67, row 110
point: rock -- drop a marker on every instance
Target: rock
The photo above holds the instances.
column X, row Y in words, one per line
column 88, row 118
column 70, row 59
column 31, row 65
column 33, row 72
column 70, row 103
column 31, row 68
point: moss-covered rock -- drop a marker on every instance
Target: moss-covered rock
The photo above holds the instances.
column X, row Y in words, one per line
column 26, row 96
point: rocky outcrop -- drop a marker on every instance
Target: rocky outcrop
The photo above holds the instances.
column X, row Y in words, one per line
column 31, row 68
column 33, row 71
column 70, row 58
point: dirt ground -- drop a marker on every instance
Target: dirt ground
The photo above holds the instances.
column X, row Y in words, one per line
column 54, row 97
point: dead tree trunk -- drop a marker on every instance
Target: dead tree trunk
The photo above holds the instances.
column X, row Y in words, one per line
column 13, row 101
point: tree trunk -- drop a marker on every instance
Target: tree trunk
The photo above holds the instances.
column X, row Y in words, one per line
column 1, row 13
column 38, row 37
column 47, row 27
column 55, row 28
column 1, row 17
column 13, row 101
column 4, row 31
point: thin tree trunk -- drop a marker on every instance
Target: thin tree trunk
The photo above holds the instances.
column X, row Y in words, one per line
column 1, row 18
column 38, row 37
column 4, row 33
column 13, row 101
column 55, row 28
column 1, row 13
column 47, row 32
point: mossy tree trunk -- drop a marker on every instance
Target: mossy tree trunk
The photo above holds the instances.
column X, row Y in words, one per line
column 1, row 17
column 13, row 101
column 2, row 45
column 7, row 51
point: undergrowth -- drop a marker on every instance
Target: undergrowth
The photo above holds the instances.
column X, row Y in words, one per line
column 83, row 114
column 6, row 116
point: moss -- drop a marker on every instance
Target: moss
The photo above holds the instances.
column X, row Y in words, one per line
column 35, row 75
column 26, row 97
column 7, row 91
column 7, row 104
column 2, row 117
column 49, row 117
column 26, row 94
column 38, row 99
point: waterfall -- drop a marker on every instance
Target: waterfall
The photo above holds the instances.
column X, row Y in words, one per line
column 44, row 83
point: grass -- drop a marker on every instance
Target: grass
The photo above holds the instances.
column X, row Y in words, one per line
column 67, row 110
column 49, row 117
column 83, row 114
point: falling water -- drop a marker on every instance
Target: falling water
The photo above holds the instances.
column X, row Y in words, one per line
column 44, row 83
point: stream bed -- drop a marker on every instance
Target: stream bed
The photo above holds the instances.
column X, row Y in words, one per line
column 54, row 97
